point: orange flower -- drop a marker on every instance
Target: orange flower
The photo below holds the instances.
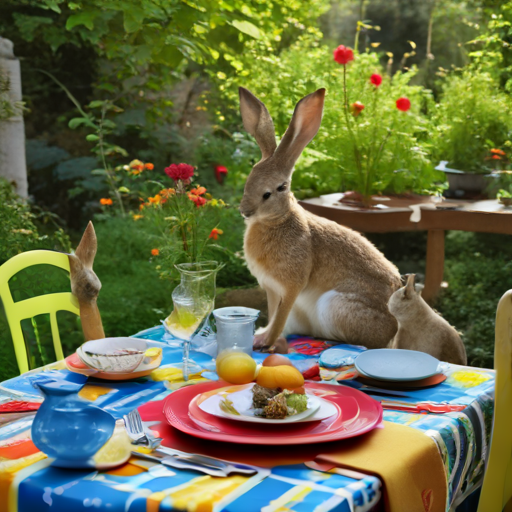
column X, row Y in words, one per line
column 498, row 152
column 149, row 166
column 215, row 233
column 167, row 192
column 136, row 164
column 155, row 252
column 156, row 199
column 198, row 200
column 198, row 191
column 106, row 201
column 356, row 108
column 137, row 217
column 496, row 157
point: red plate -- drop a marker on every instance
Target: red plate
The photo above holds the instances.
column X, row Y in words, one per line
column 357, row 414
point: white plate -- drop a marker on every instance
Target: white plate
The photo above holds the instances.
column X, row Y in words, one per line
column 318, row 409
column 394, row 364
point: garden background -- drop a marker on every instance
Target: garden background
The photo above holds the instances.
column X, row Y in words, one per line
column 116, row 91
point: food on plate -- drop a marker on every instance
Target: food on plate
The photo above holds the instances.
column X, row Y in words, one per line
column 276, row 372
column 262, row 395
column 284, row 377
column 296, row 402
column 277, row 360
column 276, row 409
column 236, row 367
column 277, row 404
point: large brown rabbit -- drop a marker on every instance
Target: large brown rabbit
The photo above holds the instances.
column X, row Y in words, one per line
column 321, row 279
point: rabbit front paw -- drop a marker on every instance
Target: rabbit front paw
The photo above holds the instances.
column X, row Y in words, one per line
column 261, row 343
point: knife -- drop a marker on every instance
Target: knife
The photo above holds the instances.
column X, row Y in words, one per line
column 176, row 458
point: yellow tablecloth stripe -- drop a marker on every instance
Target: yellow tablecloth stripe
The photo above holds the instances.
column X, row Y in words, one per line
column 406, row 460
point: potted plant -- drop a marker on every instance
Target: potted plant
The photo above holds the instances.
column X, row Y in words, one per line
column 381, row 149
column 470, row 123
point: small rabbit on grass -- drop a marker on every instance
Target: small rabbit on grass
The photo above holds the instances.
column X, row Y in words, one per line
column 421, row 328
column 321, row 279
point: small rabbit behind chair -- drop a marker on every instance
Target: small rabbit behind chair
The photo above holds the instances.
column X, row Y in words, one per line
column 421, row 328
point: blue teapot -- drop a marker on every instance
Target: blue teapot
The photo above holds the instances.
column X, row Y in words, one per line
column 66, row 427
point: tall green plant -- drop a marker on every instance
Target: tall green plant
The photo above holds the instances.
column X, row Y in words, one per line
column 472, row 117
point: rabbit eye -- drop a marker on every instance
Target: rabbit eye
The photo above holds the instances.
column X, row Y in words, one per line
column 281, row 187
column 266, row 195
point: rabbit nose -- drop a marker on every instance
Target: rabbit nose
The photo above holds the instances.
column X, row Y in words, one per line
column 244, row 214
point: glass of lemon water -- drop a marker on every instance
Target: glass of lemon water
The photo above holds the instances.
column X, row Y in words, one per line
column 193, row 301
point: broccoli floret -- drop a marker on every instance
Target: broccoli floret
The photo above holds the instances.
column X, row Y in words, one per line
column 297, row 403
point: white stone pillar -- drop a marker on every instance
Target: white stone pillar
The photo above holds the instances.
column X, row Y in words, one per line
column 13, row 165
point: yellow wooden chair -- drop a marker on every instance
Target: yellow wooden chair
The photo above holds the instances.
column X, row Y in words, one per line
column 29, row 308
column 496, row 492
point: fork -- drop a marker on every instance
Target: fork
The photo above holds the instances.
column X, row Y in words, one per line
column 136, row 432
column 176, row 458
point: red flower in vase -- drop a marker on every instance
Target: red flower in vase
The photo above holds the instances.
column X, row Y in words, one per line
column 179, row 172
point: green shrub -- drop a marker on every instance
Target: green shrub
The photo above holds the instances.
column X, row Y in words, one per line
column 473, row 117
column 478, row 271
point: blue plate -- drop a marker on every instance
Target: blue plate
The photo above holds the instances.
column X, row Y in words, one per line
column 396, row 364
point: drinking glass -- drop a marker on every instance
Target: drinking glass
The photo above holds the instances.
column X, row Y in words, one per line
column 193, row 301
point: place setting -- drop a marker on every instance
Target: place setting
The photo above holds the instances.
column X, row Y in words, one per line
column 115, row 359
column 268, row 403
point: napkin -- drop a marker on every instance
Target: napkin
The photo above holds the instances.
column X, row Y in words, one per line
column 405, row 459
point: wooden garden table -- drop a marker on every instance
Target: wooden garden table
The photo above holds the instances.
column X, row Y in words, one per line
column 487, row 216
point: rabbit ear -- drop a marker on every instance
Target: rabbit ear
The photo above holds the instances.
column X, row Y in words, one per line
column 257, row 122
column 304, row 125
column 87, row 247
column 409, row 286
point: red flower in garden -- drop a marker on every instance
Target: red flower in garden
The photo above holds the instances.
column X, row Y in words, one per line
column 215, row 233
column 343, row 55
column 356, row 108
column 496, row 157
column 220, row 173
column 181, row 172
column 155, row 252
column 106, row 201
column 149, row 166
column 198, row 200
column 376, row 79
column 403, row 104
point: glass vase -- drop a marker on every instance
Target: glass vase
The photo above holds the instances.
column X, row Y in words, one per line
column 193, row 301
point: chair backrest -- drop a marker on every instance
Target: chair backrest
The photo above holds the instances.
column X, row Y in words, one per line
column 29, row 308
column 497, row 486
